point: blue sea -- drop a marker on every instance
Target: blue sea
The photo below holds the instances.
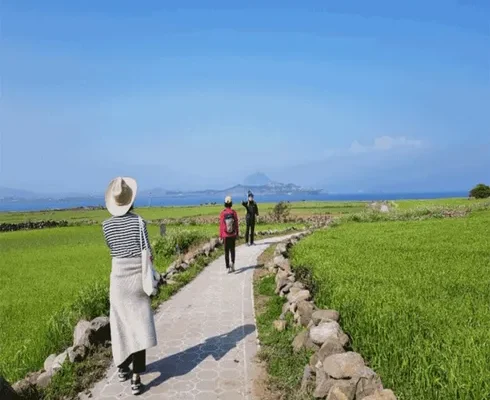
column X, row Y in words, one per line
column 40, row 205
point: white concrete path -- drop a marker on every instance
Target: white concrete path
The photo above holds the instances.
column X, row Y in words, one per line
column 206, row 338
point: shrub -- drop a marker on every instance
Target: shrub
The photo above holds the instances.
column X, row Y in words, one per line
column 181, row 240
column 281, row 211
column 480, row 191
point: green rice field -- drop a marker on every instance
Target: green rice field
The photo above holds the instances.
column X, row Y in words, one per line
column 156, row 213
column 414, row 296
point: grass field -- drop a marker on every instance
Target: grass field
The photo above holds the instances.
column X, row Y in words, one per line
column 415, row 296
column 155, row 213
column 43, row 271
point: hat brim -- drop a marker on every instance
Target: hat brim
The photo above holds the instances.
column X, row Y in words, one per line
column 119, row 210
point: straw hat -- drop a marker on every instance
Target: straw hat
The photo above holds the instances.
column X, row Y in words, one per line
column 228, row 200
column 120, row 195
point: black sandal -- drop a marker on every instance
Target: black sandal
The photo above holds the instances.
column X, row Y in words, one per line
column 123, row 374
column 136, row 386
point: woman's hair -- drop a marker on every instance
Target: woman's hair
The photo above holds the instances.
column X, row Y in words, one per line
column 131, row 209
column 229, row 205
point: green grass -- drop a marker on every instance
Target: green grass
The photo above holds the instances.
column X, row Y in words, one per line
column 156, row 213
column 415, row 297
column 285, row 368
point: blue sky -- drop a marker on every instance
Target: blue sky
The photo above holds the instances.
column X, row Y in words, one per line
column 349, row 95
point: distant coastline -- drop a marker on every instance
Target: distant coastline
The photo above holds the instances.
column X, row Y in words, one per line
column 7, row 205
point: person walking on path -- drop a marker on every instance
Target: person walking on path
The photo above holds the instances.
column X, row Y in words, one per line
column 228, row 232
column 131, row 317
column 252, row 214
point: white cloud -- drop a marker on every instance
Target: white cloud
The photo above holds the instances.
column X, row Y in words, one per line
column 385, row 143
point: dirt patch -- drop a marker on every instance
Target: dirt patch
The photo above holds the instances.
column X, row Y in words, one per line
column 261, row 387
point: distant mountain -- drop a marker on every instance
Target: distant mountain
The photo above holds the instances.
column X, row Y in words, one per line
column 257, row 179
column 272, row 188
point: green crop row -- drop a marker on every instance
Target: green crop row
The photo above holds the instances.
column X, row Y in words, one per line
column 415, row 297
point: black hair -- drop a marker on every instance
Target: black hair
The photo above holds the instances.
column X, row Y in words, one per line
column 228, row 205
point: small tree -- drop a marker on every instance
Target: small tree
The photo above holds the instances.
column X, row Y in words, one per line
column 480, row 191
column 281, row 211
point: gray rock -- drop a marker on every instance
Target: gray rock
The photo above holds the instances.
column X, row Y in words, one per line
column 303, row 341
column 342, row 390
column 285, row 308
column 172, row 267
column 59, row 361
column 48, row 363
column 279, row 325
column 6, row 391
column 325, row 316
column 44, row 379
column 323, row 384
column 214, row 243
column 77, row 354
column 368, row 383
column 307, row 378
column 314, row 360
column 298, row 285
column 101, row 327
column 82, row 333
column 321, row 333
column 281, row 281
column 287, row 288
column 281, row 249
column 299, row 342
column 385, row 394
column 331, row 346
column 299, row 296
column 305, row 310
column 282, row 263
column 342, row 366
column 32, row 377
column 206, row 249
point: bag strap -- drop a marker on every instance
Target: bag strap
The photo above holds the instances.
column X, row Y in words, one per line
column 142, row 234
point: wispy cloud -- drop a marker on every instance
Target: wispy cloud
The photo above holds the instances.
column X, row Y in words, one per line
column 385, row 143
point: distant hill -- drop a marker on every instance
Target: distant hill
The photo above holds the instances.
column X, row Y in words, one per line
column 257, row 179
column 272, row 188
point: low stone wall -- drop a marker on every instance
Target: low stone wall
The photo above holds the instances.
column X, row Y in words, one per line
column 333, row 371
column 7, row 227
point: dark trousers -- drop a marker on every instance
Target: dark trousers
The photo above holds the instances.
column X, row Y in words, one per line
column 138, row 360
column 230, row 250
column 250, row 232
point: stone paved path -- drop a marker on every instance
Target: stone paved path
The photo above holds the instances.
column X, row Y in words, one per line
column 207, row 338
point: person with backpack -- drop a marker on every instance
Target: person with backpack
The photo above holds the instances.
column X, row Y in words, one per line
column 228, row 232
column 252, row 214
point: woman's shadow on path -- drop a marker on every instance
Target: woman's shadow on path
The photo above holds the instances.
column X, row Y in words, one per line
column 180, row 364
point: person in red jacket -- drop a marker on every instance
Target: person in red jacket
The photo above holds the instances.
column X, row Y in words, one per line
column 228, row 232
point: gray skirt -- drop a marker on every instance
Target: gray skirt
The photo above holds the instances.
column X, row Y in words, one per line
column 131, row 316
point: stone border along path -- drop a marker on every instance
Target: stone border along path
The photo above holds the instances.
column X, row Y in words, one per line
column 207, row 338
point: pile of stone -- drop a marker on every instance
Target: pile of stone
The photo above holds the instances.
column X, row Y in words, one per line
column 334, row 373
column 381, row 206
column 8, row 227
column 186, row 261
column 86, row 335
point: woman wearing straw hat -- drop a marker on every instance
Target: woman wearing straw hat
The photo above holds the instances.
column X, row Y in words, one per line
column 131, row 316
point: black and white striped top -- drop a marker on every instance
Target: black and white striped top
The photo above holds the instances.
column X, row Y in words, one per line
column 122, row 235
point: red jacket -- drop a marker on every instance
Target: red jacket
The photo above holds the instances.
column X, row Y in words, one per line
column 222, row 226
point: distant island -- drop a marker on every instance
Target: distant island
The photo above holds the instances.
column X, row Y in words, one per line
column 258, row 183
